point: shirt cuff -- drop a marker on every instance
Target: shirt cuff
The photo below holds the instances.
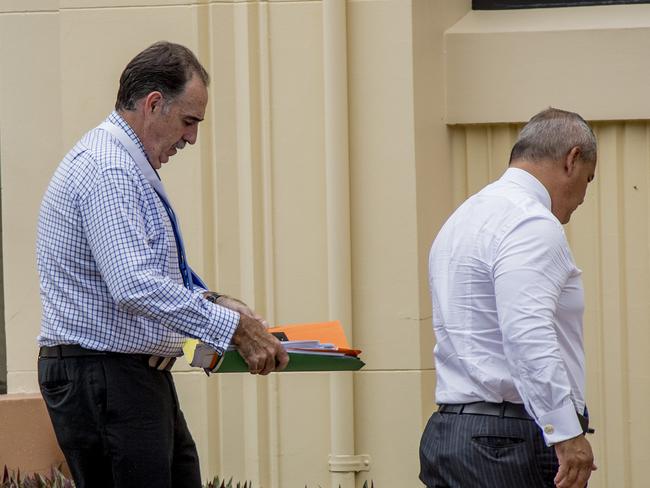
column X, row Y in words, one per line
column 560, row 425
column 223, row 323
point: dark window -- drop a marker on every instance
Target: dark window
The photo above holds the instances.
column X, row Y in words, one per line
column 509, row 4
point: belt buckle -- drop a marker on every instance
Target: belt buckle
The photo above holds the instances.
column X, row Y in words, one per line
column 161, row 363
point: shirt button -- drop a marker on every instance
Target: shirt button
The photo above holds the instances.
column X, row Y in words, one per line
column 549, row 429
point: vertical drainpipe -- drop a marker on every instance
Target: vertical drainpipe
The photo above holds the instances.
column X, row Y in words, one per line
column 337, row 180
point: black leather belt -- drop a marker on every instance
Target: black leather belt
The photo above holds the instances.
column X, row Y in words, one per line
column 504, row 410
column 162, row 363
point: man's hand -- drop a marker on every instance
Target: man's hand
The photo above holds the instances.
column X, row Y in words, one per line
column 236, row 305
column 576, row 462
column 262, row 351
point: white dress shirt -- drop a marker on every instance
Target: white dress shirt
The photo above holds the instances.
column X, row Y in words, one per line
column 507, row 306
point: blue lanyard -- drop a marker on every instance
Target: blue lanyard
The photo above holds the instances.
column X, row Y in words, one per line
column 189, row 277
column 180, row 249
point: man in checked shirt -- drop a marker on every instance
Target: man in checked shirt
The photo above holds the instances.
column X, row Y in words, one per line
column 118, row 296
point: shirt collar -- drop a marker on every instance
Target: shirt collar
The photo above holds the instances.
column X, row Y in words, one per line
column 527, row 181
column 117, row 119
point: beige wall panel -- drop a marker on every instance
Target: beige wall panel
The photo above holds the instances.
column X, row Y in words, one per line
column 304, row 429
column 504, row 66
column 223, row 113
column 382, row 184
column 21, row 6
column 88, row 4
column 392, row 409
column 609, row 236
column 237, row 424
column 636, row 264
column 30, row 141
column 92, row 59
column 432, row 162
column 296, row 84
column 240, row 232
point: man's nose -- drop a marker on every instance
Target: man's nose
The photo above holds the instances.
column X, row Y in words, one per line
column 191, row 135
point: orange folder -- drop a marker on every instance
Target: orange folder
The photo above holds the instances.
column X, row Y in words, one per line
column 325, row 332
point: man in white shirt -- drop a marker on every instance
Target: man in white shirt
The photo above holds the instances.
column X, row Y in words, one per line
column 507, row 316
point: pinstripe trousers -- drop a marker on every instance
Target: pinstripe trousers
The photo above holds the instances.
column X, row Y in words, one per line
column 479, row 451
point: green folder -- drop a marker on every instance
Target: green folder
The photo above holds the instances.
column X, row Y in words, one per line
column 234, row 363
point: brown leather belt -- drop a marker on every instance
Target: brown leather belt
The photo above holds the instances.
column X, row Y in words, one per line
column 162, row 363
column 506, row 410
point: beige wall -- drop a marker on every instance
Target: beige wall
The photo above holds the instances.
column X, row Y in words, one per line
column 278, row 205
column 310, row 212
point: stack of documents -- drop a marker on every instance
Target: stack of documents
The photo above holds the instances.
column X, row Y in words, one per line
column 311, row 347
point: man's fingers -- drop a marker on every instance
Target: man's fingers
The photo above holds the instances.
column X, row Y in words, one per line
column 561, row 474
column 282, row 360
column 576, row 462
column 261, row 320
column 262, row 352
column 573, row 477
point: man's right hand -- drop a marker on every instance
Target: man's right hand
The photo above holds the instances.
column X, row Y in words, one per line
column 262, row 351
column 576, row 462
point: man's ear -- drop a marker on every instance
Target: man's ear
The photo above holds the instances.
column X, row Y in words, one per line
column 571, row 160
column 153, row 102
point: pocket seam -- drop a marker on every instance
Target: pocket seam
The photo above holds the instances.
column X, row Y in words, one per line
column 515, row 441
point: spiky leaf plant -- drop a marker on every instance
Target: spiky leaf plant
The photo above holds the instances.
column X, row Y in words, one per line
column 222, row 484
column 56, row 479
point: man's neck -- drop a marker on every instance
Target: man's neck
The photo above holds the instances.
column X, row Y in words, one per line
column 132, row 118
column 548, row 173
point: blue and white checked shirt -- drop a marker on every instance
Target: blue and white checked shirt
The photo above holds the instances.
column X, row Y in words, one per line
column 107, row 259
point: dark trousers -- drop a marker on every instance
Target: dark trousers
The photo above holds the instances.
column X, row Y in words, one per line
column 118, row 422
column 479, row 451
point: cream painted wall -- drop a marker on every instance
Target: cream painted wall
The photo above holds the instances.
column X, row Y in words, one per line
column 255, row 198
column 503, row 66
column 258, row 205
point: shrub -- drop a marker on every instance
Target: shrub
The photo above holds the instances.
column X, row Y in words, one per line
column 217, row 484
column 56, row 479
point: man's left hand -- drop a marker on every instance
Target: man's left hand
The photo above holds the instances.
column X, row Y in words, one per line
column 576, row 462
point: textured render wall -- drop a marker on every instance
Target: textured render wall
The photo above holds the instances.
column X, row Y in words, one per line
column 252, row 196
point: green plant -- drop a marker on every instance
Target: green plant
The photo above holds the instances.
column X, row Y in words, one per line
column 56, row 479
column 222, row 484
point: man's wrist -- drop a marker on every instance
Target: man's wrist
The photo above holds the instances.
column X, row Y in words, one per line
column 212, row 296
column 560, row 425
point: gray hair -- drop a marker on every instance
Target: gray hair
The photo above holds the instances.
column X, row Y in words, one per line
column 551, row 134
column 165, row 67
